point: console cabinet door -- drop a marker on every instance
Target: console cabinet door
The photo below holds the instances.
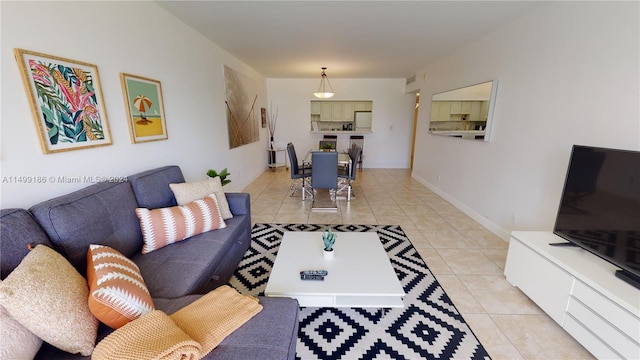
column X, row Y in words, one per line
column 546, row 284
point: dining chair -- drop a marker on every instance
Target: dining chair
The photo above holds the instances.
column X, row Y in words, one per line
column 349, row 174
column 358, row 140
column 298, row 173
column 324, row 175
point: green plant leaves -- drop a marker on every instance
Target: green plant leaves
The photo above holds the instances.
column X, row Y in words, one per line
column 222, row 174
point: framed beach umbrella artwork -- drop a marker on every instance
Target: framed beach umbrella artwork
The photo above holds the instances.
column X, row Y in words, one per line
column 66, row 101
column 145, row 108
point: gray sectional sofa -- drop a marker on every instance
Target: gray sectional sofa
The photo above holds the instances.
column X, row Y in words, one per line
column 176, row 275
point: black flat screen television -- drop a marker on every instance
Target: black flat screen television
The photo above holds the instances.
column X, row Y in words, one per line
column 600, row 207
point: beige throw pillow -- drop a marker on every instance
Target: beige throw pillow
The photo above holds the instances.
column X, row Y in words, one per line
column 48, row 296
column 191, row 191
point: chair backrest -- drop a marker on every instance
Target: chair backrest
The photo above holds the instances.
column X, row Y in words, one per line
column 293, row 159
column 354, row 153
column 358, row 140
column 324, row 172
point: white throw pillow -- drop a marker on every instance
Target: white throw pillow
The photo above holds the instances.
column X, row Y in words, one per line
column 17, row 341
column 196, row 190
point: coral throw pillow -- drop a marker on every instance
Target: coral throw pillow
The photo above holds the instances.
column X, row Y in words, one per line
column 164, row 226
column 117, row 292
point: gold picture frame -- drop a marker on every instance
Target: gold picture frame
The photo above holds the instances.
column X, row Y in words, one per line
column 145, row 108
column 66, row 101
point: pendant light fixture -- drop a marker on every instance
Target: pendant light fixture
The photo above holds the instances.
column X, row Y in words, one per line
column 325, row 90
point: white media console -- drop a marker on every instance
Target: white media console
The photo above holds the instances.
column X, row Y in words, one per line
column 579, row 291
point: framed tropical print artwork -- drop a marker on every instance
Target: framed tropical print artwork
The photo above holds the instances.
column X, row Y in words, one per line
column 66, row 101
column 145, row 108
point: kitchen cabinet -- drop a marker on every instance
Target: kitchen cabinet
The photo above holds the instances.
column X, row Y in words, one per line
column 348, row 107
column 362, row 105
column 484, row 110
column 456, row 107
column 466, row 107
column 337, row 111
column 435, row 108
column 475, row 111
column 326, row 113
column 315, row 107
column 444, row 111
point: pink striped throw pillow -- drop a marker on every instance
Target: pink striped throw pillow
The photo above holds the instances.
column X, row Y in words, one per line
column 164, row 226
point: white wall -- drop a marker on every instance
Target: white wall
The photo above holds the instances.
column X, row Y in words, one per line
column 568, row 74
column 389, row 145
column 138, row 38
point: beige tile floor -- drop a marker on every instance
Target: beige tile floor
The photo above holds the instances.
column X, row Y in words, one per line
column 467, row 259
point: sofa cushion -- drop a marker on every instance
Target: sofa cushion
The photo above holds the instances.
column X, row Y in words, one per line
column 17, row 341
column 103, row 213
column 117, row 292
column 48, row 296
column 270, row 335
column 189, row 265
column 151, row 187
column 165, row 226
column 191, row 191
column 18, row 229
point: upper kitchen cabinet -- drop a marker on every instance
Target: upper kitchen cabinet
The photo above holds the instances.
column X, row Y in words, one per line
column 330, row 115
column 315, row 108
column 465, row 112
column 326, row 112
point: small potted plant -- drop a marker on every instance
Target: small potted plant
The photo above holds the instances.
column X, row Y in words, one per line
column 329, row 239
column 327, row 146
column 222, row 174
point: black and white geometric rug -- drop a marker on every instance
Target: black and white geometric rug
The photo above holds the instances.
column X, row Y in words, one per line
column 428, row 327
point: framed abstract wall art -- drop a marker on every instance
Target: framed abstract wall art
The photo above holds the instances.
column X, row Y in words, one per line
column 145, row 108
column 66, row 101
column 241, row 97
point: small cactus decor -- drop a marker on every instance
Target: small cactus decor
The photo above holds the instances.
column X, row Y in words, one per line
column 329, row 238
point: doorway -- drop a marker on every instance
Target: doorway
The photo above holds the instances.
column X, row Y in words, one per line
column 415, row 129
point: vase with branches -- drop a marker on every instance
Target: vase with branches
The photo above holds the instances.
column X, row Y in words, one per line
column 272, row 119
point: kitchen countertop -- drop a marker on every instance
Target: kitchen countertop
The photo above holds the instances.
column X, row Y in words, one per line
column 465, row 134
column 458, row 132
column 346, row 132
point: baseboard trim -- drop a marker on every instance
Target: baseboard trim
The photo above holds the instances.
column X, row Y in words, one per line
column 491, row 226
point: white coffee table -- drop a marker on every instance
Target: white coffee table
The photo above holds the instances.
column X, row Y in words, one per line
column 360, row 273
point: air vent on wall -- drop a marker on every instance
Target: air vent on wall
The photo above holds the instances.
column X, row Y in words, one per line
column 411, row 79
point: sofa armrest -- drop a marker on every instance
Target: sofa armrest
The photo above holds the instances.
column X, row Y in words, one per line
column 239, row 203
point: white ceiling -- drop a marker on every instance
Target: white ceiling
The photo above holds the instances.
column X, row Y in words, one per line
column 353, row 39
